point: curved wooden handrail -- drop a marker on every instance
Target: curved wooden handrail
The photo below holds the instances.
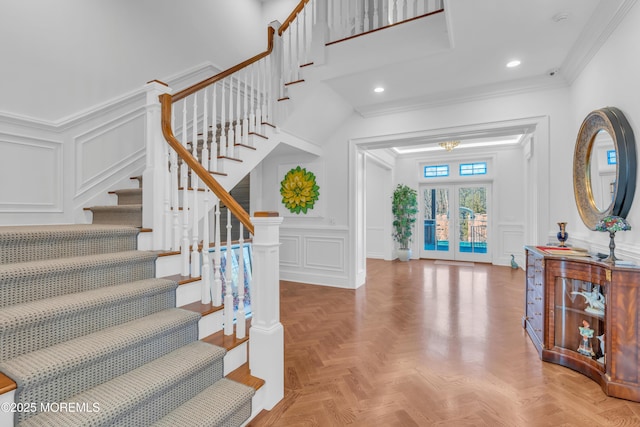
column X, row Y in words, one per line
column 292, row 16
column 166, row 102
column 222, row 194
column 211, row 80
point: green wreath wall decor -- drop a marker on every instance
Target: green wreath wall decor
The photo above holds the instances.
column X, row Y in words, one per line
column 299, row 190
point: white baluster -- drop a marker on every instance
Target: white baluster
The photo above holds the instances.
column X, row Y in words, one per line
column 175, row 193
column 228, row 295
column 394, row 13
column 245, row 117
column 238, row 116
column 385, row 13
column 367, row 18
column 166, row 194
column 415, row 9
column 262, row 75
column 217, row 279
column 258, row 128
column 305, row 60
column 296, row 64
column 184, row 182
column 289, row 68
column 205, row 132
column 252, row 116
column 376, row 17
column 269, row 94
column 358, row 24
column 231, row 140
column 205, row 298
column 195, row 255
column 241, row 319
column 405, row 6
column 213, row 163
column 223, row 127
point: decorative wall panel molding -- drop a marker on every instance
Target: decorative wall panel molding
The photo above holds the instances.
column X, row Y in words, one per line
column 325, row 253
column 108, row 148
column 290, row 250
column 38, row 188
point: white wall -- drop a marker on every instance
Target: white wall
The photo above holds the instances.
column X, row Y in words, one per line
column 277, row 10
column 611, row 79
column 61, row 57
column 72, row 111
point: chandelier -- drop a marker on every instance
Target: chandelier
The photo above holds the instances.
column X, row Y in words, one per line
column 449, row 145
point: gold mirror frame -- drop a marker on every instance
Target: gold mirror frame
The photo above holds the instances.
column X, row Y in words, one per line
column 615, row 123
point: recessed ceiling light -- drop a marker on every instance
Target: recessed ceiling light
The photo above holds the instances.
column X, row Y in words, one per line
column 514, row 63
column 379, row 89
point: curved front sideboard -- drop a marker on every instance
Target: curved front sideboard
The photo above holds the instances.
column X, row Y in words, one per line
column 583, row 314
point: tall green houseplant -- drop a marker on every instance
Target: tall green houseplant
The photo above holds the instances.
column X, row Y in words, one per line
column 405, row 209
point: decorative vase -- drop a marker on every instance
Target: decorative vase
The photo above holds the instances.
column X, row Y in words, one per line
column 404, row 254
column 562, row 234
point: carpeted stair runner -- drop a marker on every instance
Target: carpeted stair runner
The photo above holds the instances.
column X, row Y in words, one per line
column 94, row 328
column 40, row 242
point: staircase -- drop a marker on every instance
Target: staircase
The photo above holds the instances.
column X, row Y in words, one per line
column 92, row 337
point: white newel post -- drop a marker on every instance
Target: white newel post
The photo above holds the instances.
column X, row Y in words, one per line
column 156, row 171
column 266, row 335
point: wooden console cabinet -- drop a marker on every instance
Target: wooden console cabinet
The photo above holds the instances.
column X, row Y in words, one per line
column 564, row 294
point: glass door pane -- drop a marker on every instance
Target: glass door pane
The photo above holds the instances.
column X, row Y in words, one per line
column 472, row 231
column 436, row 214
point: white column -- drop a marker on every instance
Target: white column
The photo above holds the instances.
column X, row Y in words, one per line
column 154, row 177
column 266, row 356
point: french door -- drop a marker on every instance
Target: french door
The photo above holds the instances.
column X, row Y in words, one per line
column 456, row 222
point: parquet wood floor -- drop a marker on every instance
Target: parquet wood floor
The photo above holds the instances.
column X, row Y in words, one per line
column 425, row 344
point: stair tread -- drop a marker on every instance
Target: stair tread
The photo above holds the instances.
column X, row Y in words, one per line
column 43, row 364
column 242, row 375
column 33, row 280
column 121, row 395
column 19, row 315
column 203, row 309
column 51, row 266
column 211, row 407
column 30, row 243
column 228, row 342
column 134, row 207
column 127, row 191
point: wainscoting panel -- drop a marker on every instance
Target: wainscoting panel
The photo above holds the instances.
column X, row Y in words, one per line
column 105, row 150
column 376, row 242
column 324, row 253
column 510, row 241
column 290, row 250
column 40, row 187
column 315, row 255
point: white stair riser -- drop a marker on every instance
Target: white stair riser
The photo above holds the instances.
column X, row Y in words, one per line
column 188, row 293
column 235, row 358
column 145, row 241
column 167, row 265
column 210, row 324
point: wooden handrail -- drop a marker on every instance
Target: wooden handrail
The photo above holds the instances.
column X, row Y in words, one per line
column 292, row 16
column 222, row 194
column 211, row 80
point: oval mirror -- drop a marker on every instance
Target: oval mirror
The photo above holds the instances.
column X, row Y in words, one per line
column 602, row 170
column 604, row 166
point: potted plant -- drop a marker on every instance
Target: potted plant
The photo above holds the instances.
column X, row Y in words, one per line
column 404, row 208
